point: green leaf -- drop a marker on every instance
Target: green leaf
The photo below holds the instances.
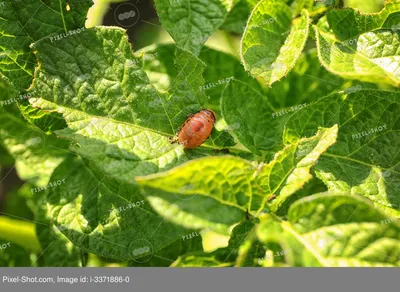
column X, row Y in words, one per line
column 7, row 95
column 255, row 124
column 361, row 46
column 202, row 259
column 117, row 96
column 60, row 252
column 334, row 230
column 156, row 61
column 272, row 43
column 169, row 254
column 237, row 17
column 25, row 237
column 307, row 82
column 227, row 187
column 242, row 235
column 36, row 154
column 364, row 160
column 25, row 22
column 109, row 110
column 178, row 193
column 314, row 186
column 108, row 218
column 244, row 246
column 45, row 121
column 192, row 22
column 221, row 69
column 290, row 169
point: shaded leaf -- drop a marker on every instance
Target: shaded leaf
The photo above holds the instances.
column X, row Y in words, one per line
column 221, row 68
column 18, row 61
column 25, row 22
column 192, row 22
column 227, row 256
column 306, row 83
column 109, row 114
column 60, row 251
column 13, row 255
column 254, row 125
column 201, row 259
column 237, row 18
column 36, row 154
column 168, row 255
column 108, row 218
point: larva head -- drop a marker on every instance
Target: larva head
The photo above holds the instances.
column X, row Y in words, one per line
column 211, row 113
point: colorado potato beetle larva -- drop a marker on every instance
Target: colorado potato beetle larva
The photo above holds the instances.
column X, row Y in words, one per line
column 197, row 129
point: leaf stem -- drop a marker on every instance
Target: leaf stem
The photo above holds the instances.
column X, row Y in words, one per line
column 19, row 232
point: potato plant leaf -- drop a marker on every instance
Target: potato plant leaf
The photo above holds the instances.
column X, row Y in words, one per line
column 109, row 219
column 289, row 171
column 60, row 251
column 124, row 94
column 177, row 194
column 236, row 19
column 334, row 230
column 254, row 125
column 109, row 112
column 157, row 63
column 361, row 46
column 121, row 122
column 190, row 22
column 365, row 159
column 227, row 187
column 169, row 254
column 244, row 246
column 45, row 121
column 36, row 153
column 272, row 42
column 222, row 69
column 227, row 256
column 23, row 23
column 307, row 82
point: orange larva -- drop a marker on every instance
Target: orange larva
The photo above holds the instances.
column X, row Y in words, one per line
column 197, row 129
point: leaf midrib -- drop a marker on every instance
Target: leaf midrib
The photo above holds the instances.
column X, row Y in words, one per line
column 287, row 227
column 91, row 116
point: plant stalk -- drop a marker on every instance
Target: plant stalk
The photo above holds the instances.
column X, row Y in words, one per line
column 19, row 232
